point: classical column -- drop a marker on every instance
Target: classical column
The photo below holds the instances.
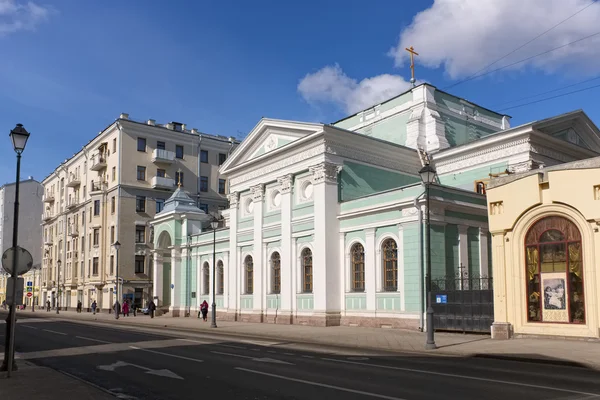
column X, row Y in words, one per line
column 294, row 275
column 326, row 273
column 157, row 278
column 258, row 194
column 463, row 250
column 345, row 266
column 176, row 282
column 401, row 271
column 484, row 270
column 501, row 328
column 232, row 294
column 287, row 292
column 370, row 269
column 226, row 259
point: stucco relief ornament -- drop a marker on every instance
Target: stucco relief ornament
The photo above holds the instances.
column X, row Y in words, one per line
column 270, row 145
column 325, row 172
column 285, row 183
column 258, row 193
column 233, row 199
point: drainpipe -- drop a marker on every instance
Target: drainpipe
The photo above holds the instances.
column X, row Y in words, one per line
column 199, row 170
column 420, row 263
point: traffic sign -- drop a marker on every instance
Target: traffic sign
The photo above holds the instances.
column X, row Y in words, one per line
column 24, row 260
column 29, row 294
column 29, row 289
column 29, row 283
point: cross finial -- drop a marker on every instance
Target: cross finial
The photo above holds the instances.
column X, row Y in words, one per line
column 413, row 53
column 179, row 177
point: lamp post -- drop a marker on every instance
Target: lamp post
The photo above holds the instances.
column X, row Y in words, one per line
column 428, row 177
column 214, row 224
column 58, row 293
column 117, row 246
column 33, row 292
column 19, row 138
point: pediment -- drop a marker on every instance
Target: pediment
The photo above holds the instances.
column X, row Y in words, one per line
column 269, row 136
column 575, row 128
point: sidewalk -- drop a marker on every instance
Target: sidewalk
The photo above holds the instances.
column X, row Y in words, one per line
column 585, row 353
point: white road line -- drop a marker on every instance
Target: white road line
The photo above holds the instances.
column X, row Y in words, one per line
column 379, row 396
column 196, row 341
column 289, row 354
column 255, row 349
column 230, row 345
column 167, row 354
column 420, row 371
column 58, row 333
column 27, row 326
column 271, row 351
column 308, row 356
column 93, row 340
column 232, row 355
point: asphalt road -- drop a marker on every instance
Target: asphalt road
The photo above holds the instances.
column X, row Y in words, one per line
column 147, row 365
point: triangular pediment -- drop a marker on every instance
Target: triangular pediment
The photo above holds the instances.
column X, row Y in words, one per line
column 575, row 128
column 269, row 137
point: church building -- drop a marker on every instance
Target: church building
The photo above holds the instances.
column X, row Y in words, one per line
column 325, row 221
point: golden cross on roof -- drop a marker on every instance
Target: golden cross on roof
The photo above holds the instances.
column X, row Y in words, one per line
column 413, row 53
column 178, row 177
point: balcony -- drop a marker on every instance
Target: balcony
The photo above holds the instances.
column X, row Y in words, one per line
column 73, row 202
column 73, row 230
column 159, row 182
column 163, row 156
column 97, row 187
column 74, row 181
column 48, row 241
column 49, row 198
column 47, row 216
column 98, row 163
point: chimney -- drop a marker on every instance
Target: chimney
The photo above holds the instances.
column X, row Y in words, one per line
column 30, row 177
column 151, row 122
column 124, row 116
column 183, row 127
column 231, row 139
column 195, row 131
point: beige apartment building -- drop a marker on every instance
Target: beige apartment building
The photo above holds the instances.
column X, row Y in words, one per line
column 108, row 192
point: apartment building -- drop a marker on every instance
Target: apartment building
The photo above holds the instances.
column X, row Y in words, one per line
column 108, row 192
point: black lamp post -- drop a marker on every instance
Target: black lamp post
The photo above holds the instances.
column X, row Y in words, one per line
column 428, row 177
column 117, row 246
column 214, row 224
column 19, row 138
column 58, row 292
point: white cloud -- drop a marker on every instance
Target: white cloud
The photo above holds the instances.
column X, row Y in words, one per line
column 331, row 85
column 463, row 36
column 16, row 17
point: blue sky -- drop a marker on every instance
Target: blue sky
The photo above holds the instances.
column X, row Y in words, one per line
column 70, row 67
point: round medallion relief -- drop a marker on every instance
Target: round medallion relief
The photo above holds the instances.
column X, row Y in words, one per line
column 307, row 190
column 249, row 206
column 276, row 196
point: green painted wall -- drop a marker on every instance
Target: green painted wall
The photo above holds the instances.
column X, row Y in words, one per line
column 412, row 268
column 378, row 217
column 352, row 236
column 305, row 239
column 245, row 237
column 459, row 196
column 245, row 224
column 407, row 192
column 451, row 249
column 354, row 120
column 302, row 210
column 273, row 301
column 166, row 294
column 473, row 251
column 466, row 179
column 305, row 302
column 438, row 250
column 465, row 216
column 357, row 180
column 393, row 229
column 356, row 301
column 272, row 218
column 247, row 302
column 272, row 233
column 388, row 301
column 307, row 226
column 392, row 129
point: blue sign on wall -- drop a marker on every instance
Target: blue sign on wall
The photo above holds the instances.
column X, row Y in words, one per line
column 441, row 298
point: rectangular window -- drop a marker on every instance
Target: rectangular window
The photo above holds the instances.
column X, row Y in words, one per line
column 82, row 243
column 204, row 183
column 204, row 156
column 113, row 204
column 141, row 173
column 203, row 207
column 221, row 186
column 141, row 144
column 114, row 145
column 114, row 173
column 160, row 145
column 480, row 187
column 112, row 234
column 222, row 158
column 179, row 178
column 179, row 151
column 95, row 266
column 96, row 208
column 140, row 234
column 139, row 264
column 161, row 173
column 96, row 236
column 112, row 264
column 160, row 204
column 83, row 268
column 140, row 203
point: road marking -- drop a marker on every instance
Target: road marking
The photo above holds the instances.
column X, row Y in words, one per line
column 58, row 333
column 255, row 349
column 93, row 340
column 158, row 372
column 231, row 354
column 263, row 359
column 289, row 354
column 27, row 326
column 308, row 356
column 271, row 351
column 380, row 396
column 166, row 354
column 232, row 346
column 420, row 371
column 195, row 341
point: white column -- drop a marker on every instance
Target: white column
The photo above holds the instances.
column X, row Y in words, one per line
column 483, row 253
column 232, row 293
column 176, row 279
column 294, row 275
column 463, row 248
column 326, row 273
column 258, row 193
column 287, row 292
column 226, row 259
column 266, row 276
column 198, row 280
column 401, row 288
column 370, row 269
column 157, row 278
column 345, row 268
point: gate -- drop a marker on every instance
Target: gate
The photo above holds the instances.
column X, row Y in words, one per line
column 463, row 303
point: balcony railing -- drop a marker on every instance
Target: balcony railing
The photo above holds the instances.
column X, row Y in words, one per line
column 73, row 230
column 98, row 163
column 73, row 202
column 48, row 241
column 74, row 180
column 49, row 198
column 47, row 216
column 163, row 156
column 160, row 182
column 97, row 187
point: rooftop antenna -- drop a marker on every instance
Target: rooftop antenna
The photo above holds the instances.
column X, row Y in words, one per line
column 413, row 53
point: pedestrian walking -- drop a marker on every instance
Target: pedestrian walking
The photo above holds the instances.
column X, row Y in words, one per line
column 151, row 308
column 117, row 308
column 94, row 305
column 48, row 306
column 126, row 308
column 79, row 306
column 203, row 310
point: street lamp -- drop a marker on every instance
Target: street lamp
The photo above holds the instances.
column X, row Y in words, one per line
column 19, row 138
column 214, row 224
column 33, row 292
column 58, row 263
column 428, row 177
column 117, row 246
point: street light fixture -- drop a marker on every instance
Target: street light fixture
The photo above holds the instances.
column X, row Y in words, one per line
column 117, row 246
column 214, row 224
column 428, row 177
column 58, row 293
column 19, row 137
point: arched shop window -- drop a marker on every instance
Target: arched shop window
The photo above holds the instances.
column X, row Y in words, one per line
column 554, row 272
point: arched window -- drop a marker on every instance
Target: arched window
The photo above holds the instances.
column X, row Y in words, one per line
column 358, row 267
column 249, row 270
column 276, row 273
column 307, row 271
column 205, row 278
column 554, row 272
column 220, row 277
column 389, row 249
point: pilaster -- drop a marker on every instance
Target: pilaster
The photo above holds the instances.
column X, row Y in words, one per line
column 401, row 271
column 370, row 269
column 287, row 292
column 258, row 194
column 463, row 249
column 484, row 270
column 345, row 266
column 501, row 328
column 231, row 268
column 176, row 283
column 226, row 259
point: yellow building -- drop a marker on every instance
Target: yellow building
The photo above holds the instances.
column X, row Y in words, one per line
column 545, row 227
